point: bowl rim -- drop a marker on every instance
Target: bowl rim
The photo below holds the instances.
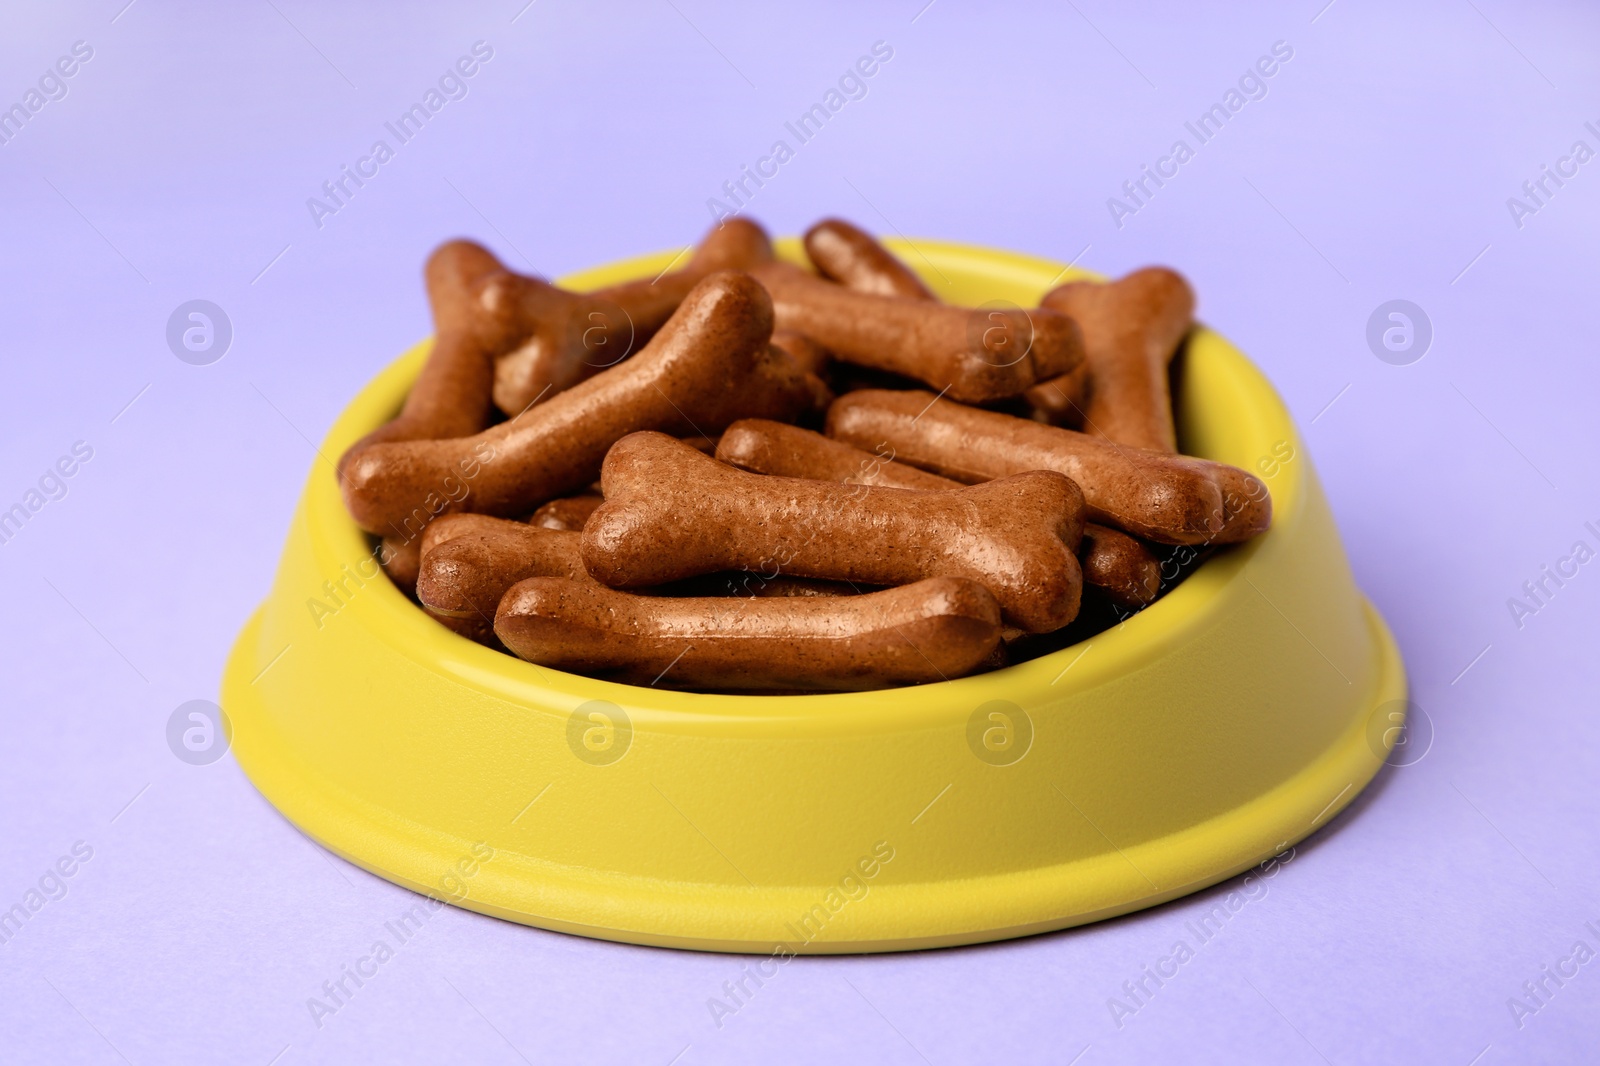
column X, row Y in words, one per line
column 338, row 542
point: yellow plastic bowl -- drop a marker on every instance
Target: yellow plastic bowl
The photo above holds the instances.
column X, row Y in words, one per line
column 1207, row 733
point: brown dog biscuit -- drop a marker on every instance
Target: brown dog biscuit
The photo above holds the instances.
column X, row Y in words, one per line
column 450, row 526
column 401, row 559
column 933, row 630
column 972, row 354
column 405, row 553
column 562, row 338
column 848, row 255
column 465, row 576
column 1246, row 503
column 452, row 274
column 807, row 353
column 1060, row 401
column 569, row 512
column 474, row 626
column 1131, row 328
column 1123, row 568
column 451, row 396
column 735, row 244
column 472, row 559
column 1168, row 499
column 845, row 254
column 549, row 338
column 709, row 366
column 766, row 447
column 995, row 660
column 671, row 513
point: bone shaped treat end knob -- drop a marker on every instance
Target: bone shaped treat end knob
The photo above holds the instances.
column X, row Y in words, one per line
column 846, row 254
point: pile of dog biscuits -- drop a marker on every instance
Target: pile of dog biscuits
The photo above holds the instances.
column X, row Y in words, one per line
column 743, row 476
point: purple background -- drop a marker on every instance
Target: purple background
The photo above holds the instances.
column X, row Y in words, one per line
column 1377, row 167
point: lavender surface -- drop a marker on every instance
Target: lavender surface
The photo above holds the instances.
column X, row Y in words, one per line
column 1390, row 155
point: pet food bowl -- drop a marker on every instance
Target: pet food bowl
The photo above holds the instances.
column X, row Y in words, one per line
column 1230, row 719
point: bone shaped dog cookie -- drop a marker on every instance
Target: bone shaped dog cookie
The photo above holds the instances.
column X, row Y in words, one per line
column 559, row 338
column 932, row 630
column 766, row 447
column 972, row 355
column 1060, row 401
column 1121, row 567
column 568, row 512
column 848, row 255
column 1131, row 329
column 1169, row 499
column 710, row 365
column 469, row 561
column 465, row 576
column 671, row 513
column 451, row 396
column 1136, row 325
column 807, row 353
